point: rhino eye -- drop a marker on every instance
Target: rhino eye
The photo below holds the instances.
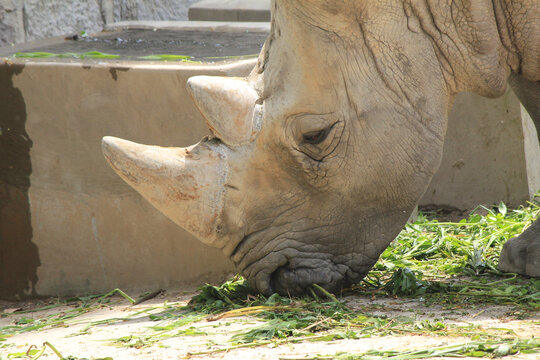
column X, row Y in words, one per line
column 316, row 137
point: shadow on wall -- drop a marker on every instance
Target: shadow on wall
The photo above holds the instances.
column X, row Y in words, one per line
column 19, row 258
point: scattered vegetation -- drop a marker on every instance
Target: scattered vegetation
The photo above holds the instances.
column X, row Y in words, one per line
column 85, row 55
column 473, row 349
column 82, row 305
column 451, row 264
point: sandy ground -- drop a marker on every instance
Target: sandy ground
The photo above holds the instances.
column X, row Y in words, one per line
column 75, row 338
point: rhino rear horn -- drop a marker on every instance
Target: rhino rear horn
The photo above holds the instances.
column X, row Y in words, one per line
column 229, row 106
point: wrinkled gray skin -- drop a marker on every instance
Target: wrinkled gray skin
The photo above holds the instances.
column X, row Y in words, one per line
column 355, row 98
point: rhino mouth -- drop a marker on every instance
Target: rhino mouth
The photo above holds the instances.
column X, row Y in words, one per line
column 291, row 267
column 286, row 280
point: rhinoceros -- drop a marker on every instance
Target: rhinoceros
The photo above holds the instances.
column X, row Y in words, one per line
column 316, row 159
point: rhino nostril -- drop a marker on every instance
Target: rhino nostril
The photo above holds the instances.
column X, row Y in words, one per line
column 288, row 281
column 213, row 139
column 276, row 281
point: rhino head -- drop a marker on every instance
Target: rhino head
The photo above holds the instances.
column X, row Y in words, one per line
column 317, row 159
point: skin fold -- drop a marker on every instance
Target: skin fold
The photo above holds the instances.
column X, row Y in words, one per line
column 326, row 158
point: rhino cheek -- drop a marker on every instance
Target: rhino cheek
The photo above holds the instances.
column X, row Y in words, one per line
column 185, row 184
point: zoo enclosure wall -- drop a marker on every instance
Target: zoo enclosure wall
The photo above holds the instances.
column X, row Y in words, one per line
column 27, row 20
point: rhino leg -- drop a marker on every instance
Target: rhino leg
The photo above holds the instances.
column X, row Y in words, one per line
column 522, row 254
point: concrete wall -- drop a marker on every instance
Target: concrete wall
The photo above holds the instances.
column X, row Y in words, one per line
column 491, row 154
column 27, row 20
column 68, row 223
column 230, row 10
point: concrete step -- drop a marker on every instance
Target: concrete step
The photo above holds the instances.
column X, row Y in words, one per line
column 230, row 10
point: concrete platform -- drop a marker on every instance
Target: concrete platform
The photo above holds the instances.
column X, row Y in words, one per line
column 217, row 25
column 70, row 225
column 230, row 10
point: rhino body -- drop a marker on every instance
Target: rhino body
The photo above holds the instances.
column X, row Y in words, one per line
column 317, row 159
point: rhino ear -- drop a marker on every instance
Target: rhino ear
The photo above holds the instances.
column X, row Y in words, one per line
column 229, row 106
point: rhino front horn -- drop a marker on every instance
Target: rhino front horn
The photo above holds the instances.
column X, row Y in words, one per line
column 185, row 184
column 229, row 106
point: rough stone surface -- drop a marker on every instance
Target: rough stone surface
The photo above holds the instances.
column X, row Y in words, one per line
column 47, row 18
column 27, row 20
column 11, row 22
column 151, row 9
column 230, row 10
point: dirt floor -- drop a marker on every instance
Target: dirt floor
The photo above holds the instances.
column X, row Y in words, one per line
column 112, row 330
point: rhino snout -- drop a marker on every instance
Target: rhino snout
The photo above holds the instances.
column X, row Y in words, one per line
column 295, row 281
column 277, row 274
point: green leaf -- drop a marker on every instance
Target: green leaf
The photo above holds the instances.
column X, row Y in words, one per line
column 165, row 57
column 503, row 350
column 502, row 209
column 37, row 54
column 88, row 54
column 98, row 55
